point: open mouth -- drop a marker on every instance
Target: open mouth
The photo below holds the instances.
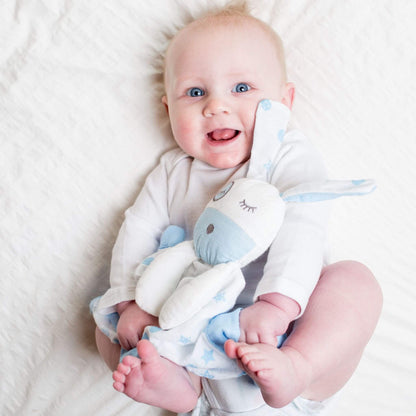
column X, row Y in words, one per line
column 223, row 135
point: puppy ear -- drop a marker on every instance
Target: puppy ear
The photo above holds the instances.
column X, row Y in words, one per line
column 329, row 189
column 272, row 118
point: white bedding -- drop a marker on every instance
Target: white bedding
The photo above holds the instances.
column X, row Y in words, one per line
column 81, row 125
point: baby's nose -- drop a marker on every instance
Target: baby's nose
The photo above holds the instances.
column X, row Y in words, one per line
column 216, row 106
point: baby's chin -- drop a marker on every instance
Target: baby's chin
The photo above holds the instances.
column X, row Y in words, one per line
column 225, row 161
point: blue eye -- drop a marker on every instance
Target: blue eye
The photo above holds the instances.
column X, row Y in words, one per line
column 241, row 87
column 195, row 92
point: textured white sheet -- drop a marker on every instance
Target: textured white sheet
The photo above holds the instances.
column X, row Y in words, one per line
column 81, row 125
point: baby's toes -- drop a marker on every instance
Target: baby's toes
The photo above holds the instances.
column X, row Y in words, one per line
column 119, row 386
column 246, row 351
column 122, row 368
column 119, row 381
column 129, row 362
column 119, row 377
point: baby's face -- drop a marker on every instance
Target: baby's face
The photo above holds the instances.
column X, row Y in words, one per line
column 215, row 78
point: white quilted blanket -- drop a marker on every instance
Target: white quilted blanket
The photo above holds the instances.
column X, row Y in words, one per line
column 81, row 125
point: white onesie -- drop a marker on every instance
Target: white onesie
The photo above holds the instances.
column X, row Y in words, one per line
column 177, row 191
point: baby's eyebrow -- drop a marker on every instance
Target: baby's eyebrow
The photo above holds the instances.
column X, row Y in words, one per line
column 241, row 75
column 188, row 78
column 186, row 83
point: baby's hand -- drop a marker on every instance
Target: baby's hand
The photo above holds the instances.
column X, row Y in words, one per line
column 131, row 324
column 269, row 317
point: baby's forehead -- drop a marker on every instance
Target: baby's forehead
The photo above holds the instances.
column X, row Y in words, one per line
column 205, row 26
column 252, row 30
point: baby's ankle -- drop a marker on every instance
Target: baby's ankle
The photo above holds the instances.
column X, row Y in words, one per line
column 301, row 366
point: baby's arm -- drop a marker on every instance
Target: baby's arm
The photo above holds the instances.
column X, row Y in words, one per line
column 267, row 318
column 137, row 239
column 131, row 324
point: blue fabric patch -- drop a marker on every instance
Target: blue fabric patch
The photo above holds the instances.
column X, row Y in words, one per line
column 93, row 303
column 184, row 340
column 218, row 239
column 207, row 374
column 208, row 356
column 171, row 236
column 268, row 166
column 220, row 297
column 147, row 260
column 266, row 105
column 153, row 329
column 125, row 353
column 223, row 327
column 113, row 319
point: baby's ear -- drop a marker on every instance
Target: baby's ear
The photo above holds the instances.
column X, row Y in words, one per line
column 289, row 95
column 165, row 103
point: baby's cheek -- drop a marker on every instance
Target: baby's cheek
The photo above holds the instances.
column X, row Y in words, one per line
column 184, row 132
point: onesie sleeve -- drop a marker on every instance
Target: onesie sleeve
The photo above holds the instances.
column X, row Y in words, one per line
column 139, row 234
column 296, row 256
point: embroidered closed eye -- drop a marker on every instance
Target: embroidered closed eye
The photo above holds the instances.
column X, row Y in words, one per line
column 247, row 207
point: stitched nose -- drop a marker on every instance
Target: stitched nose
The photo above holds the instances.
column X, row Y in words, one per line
column 210, row 228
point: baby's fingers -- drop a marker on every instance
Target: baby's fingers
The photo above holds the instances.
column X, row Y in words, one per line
column 128, row 341
column 270, row 339
column 254, row 337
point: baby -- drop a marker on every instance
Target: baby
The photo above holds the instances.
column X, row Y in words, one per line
column 217, row 70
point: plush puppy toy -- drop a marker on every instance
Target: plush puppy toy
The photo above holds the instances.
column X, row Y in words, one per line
column 189, row 284
column 192, row 286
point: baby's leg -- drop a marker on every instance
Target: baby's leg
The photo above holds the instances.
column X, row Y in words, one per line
column 109, row 352
column 326, row 343
column 154, row 380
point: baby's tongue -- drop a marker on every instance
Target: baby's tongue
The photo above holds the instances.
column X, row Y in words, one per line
column 223, row 134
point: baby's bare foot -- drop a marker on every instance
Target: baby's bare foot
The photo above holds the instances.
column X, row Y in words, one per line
column 154, row 380
column 281, row 374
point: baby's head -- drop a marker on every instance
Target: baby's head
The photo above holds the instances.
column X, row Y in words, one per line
column 217, row 69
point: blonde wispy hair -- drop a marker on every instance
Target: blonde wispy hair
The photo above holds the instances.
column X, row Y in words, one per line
column 234, row 12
